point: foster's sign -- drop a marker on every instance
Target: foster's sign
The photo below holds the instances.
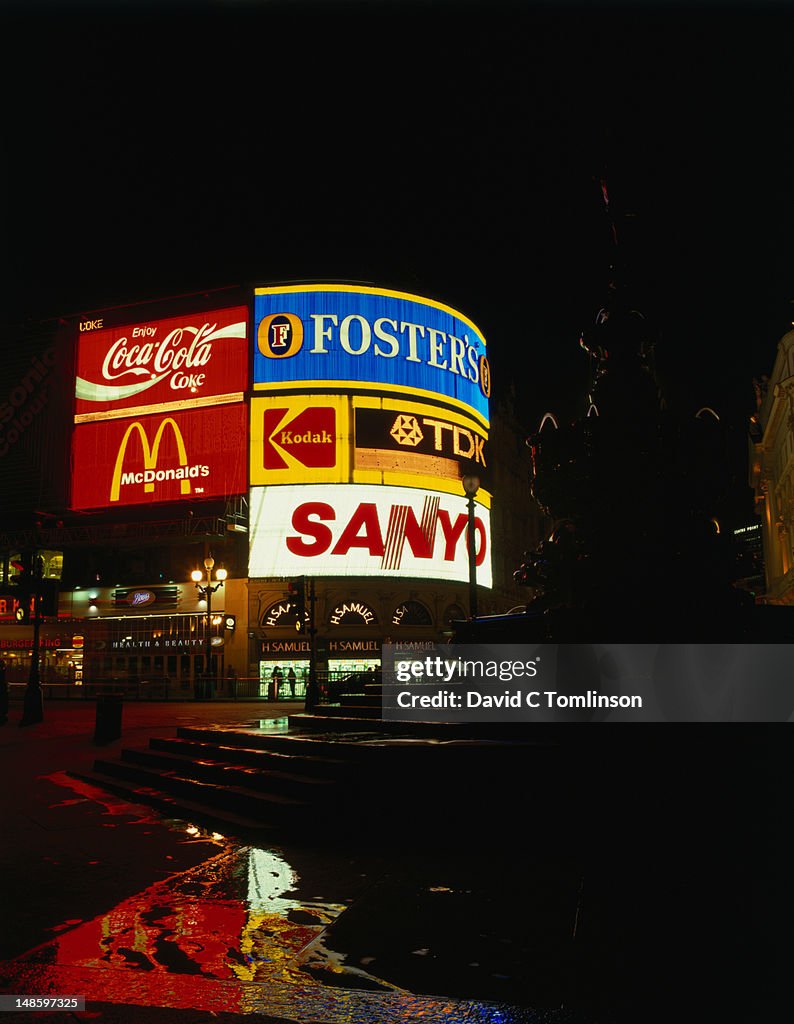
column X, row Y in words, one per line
column 361, row 338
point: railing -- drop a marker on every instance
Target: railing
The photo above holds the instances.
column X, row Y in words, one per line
column 244, row 688
column 164, row 689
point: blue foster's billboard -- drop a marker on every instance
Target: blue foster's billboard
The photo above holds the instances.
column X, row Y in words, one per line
column 360, row 338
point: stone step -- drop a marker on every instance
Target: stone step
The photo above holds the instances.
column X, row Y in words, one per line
column 262, row 807
column 216, row 818
column 363, row 700
column 347, row 748
column 347, row 709
column 266, row 760
column 225, row 773
column 349, row 720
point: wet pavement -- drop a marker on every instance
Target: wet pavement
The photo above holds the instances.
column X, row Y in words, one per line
column 145, row 916
column 161, row 920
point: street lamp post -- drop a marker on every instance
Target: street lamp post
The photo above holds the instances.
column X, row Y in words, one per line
column 471, row 484
column 33, row 706
column 206, row 590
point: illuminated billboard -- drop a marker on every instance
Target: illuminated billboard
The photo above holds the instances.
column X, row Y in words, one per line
column 300, row 439
column 176, row 456
column 308, row 438
column 181, row 362
column 416, row 444
column 355, row 337
column 365, row 530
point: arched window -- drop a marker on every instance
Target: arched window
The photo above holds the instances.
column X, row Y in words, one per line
column 453, row 612
column 352, row 613
column 411, row 613
column 279, row 613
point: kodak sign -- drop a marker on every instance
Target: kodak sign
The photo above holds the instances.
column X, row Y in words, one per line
column 300, row 439
column 365, row 530
column 192, row 454
column 309, row 437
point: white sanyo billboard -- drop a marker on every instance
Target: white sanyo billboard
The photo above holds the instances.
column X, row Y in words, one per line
column 365, row 530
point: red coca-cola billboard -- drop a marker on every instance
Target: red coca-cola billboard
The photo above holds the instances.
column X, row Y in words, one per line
column 163, row 456
column 185, row 361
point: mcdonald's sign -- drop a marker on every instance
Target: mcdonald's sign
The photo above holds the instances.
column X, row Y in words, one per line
column 194, row 454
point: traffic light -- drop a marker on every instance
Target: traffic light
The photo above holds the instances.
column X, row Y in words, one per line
column 297, row 593
column 22, row 582
column 23, row 612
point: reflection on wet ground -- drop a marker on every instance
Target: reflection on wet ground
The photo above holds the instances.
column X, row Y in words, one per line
column 337, row 934
column 337, row 937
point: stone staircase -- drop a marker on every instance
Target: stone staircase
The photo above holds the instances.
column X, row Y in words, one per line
column 366, row 705
column 343, row 772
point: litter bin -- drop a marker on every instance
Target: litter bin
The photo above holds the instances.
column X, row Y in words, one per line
column 108, row 717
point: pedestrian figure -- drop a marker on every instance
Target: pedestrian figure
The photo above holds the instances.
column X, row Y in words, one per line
column 277, row 677
column 291, row 680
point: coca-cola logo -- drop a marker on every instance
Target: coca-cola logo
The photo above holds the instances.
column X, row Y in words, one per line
column 187, row 347
column 139, row 359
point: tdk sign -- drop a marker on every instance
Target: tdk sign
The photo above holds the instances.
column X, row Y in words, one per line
column 369, row 338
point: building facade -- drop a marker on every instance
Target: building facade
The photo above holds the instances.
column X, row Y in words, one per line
column 772, row 473
column 313, row 433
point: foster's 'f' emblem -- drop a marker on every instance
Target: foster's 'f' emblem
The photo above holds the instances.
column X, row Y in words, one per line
column 280, row 335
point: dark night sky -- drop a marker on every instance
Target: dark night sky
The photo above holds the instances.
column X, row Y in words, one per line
column 446, row 148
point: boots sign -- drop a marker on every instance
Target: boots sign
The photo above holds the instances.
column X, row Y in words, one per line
column 365, row 530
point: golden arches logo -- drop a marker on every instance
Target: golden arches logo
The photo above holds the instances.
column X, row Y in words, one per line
column 149, row 456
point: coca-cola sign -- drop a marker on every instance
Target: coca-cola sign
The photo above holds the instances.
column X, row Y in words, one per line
column 182, row 362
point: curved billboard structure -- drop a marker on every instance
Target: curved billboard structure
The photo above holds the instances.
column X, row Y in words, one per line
column 357, row 337
column 367, row 407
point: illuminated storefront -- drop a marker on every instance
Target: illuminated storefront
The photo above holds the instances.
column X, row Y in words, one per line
column 60, row 653
column 158, row 634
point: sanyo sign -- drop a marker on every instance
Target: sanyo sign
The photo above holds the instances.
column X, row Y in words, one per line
column 365, row 530
column 355, row 337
